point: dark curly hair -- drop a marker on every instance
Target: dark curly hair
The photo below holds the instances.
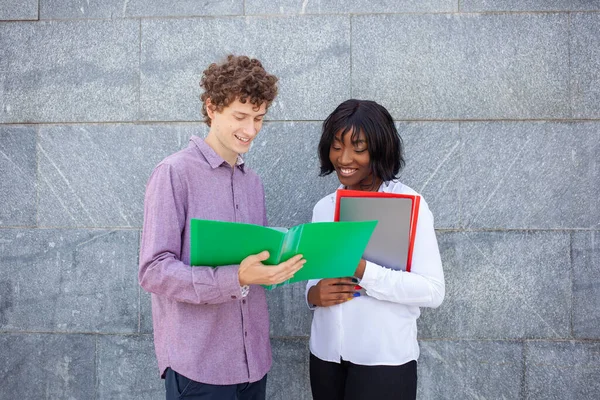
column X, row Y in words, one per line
column 386, row 150
column 238, row 77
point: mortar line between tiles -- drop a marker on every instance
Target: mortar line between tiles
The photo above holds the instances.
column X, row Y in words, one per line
column 523, row 394
column 139, row 80
column 571, row 270
column 460, row 166
column 96, row 379
column 569, row 73
column 37, row 178
column 440, row 230
column 31, row 332
column 351, row 17
column 407, row 13
column 159, row 122
column 139, row 239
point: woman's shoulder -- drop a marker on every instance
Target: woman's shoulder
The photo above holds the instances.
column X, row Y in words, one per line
column 400, row 188
column 325, row 202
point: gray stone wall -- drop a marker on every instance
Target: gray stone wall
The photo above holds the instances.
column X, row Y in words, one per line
column 498, row 103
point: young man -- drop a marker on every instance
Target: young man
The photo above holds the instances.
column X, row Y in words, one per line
column 211, row 325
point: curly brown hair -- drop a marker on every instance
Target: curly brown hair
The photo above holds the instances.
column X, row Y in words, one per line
column 238, row 77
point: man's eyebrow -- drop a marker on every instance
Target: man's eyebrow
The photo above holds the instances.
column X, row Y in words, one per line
column 245, row 114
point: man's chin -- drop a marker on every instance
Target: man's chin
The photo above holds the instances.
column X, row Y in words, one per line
column 244, row 149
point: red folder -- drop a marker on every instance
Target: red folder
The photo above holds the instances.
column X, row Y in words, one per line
column 415, row 199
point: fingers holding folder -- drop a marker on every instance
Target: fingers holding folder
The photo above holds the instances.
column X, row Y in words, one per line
column 253, row 272
column 329, row 292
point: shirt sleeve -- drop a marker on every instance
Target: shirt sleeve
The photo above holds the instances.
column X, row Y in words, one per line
column 161, row 270
column 310, row 284
column 424, row 285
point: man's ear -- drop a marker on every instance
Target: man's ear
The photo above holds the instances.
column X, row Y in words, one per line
column 210, row 110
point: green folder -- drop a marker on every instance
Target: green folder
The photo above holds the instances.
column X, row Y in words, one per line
column 331, row 249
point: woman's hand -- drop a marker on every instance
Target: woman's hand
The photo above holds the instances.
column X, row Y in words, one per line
column 360, row 270
column 329, row 292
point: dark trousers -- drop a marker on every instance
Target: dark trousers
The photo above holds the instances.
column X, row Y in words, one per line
column 348, row 381
column 180, row 387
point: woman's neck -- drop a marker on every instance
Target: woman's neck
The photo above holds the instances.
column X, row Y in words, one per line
column 372, row 186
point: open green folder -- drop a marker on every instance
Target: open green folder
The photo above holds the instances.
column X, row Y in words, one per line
column 331, row 249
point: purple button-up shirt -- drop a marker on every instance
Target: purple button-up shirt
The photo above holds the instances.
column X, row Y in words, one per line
column 203, row 328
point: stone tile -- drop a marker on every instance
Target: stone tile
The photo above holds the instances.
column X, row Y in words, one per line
column 18, row 10
column 289, row 377
column 18, row 167
column 70, row 71
column 56, row 9
column 288, row 311
column 285, row 156
column 69, row 280
column 310, row 55
column 585, row 64
column 413, row 67
column 454, row 67
column 145, row 312
column 503, row 285
column 528, row 5
column 470, row 370
column 562, row 370
column 127, row 368
column 530, row 175
column 348, row 7
column 586, row 284
column 96, row 175
column 432, row 154
column 35, row 366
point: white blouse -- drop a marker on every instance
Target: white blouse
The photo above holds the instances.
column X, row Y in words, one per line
column 381, row 327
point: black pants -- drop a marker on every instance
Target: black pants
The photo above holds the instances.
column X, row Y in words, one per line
column 348, row 381
column 180, row 387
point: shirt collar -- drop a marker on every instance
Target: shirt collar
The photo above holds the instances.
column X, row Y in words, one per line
column 211, row 156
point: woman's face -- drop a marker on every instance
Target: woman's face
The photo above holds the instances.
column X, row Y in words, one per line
column 351, row 161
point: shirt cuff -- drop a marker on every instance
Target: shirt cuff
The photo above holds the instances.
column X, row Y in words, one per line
column 229, row 282
column 370, row 275
column 310, row 284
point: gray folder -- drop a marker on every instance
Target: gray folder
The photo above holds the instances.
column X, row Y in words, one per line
column 389, row 243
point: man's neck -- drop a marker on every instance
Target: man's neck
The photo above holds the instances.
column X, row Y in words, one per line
column 216, row 145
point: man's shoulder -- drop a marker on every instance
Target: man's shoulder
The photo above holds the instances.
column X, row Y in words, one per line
column 180, row 159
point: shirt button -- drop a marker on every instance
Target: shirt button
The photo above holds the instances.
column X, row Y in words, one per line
column 244, row 301
column 245, row 333
column 234, row 297
column 237, row 207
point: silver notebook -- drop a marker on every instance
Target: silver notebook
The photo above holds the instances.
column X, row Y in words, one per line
column 389, row 242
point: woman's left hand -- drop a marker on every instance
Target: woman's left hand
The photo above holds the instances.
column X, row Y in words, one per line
column 360, row 270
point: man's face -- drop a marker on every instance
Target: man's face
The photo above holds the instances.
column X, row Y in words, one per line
column 233, row 129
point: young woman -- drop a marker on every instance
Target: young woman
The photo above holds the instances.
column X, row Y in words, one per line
column 365, row 346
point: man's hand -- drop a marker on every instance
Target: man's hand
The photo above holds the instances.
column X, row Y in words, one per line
column 329, row 292
column 253, row 272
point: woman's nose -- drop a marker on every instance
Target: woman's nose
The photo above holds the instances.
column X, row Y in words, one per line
column 345, row 157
